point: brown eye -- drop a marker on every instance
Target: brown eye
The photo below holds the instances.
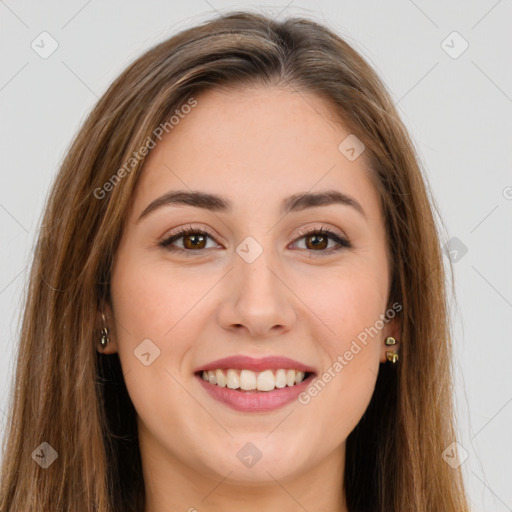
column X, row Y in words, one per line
column 317, row 241
column 187, row 241
column 194, row 241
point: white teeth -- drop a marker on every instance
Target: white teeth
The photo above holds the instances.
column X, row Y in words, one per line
column 280, row 378
column 247, row 380
column 266, row 381
column 233, row 380
column 221, row 378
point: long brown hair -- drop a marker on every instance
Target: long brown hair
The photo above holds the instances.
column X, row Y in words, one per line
column 73, row 398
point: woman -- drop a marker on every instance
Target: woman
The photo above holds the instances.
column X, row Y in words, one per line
column 237, row 299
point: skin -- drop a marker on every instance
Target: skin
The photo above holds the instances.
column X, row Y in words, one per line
column 255, row 147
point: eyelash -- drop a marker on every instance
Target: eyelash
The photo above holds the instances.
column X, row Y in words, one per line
column 343, row 242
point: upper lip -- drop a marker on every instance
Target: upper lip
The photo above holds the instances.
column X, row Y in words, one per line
column 256, row 364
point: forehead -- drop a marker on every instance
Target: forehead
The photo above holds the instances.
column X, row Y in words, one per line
column 256, row 145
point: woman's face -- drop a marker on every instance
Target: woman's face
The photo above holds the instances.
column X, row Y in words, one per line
column 256, row 288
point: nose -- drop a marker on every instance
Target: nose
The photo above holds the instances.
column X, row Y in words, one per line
column 257, row 299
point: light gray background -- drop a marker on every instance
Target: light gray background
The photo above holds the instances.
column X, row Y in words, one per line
column 458, row 111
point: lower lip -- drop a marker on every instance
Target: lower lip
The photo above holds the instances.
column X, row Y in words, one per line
column 258, row 401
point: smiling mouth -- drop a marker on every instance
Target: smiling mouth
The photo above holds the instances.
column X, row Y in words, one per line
column 250, row 381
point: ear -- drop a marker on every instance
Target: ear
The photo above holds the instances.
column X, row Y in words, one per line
column 393, row 329
column 105, row 318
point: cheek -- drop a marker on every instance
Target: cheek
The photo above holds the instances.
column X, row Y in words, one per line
column 157, row 313
column 340, row 395
column 351, row 304
column 153, row 300
column 348, row 302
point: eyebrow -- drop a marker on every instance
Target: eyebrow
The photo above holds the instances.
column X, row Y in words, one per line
column 215, row 203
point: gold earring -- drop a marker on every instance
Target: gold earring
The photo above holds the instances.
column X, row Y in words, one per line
column 104, row 333
column 391, row 356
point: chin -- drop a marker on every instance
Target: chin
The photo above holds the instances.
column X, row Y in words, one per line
column 258, row 460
